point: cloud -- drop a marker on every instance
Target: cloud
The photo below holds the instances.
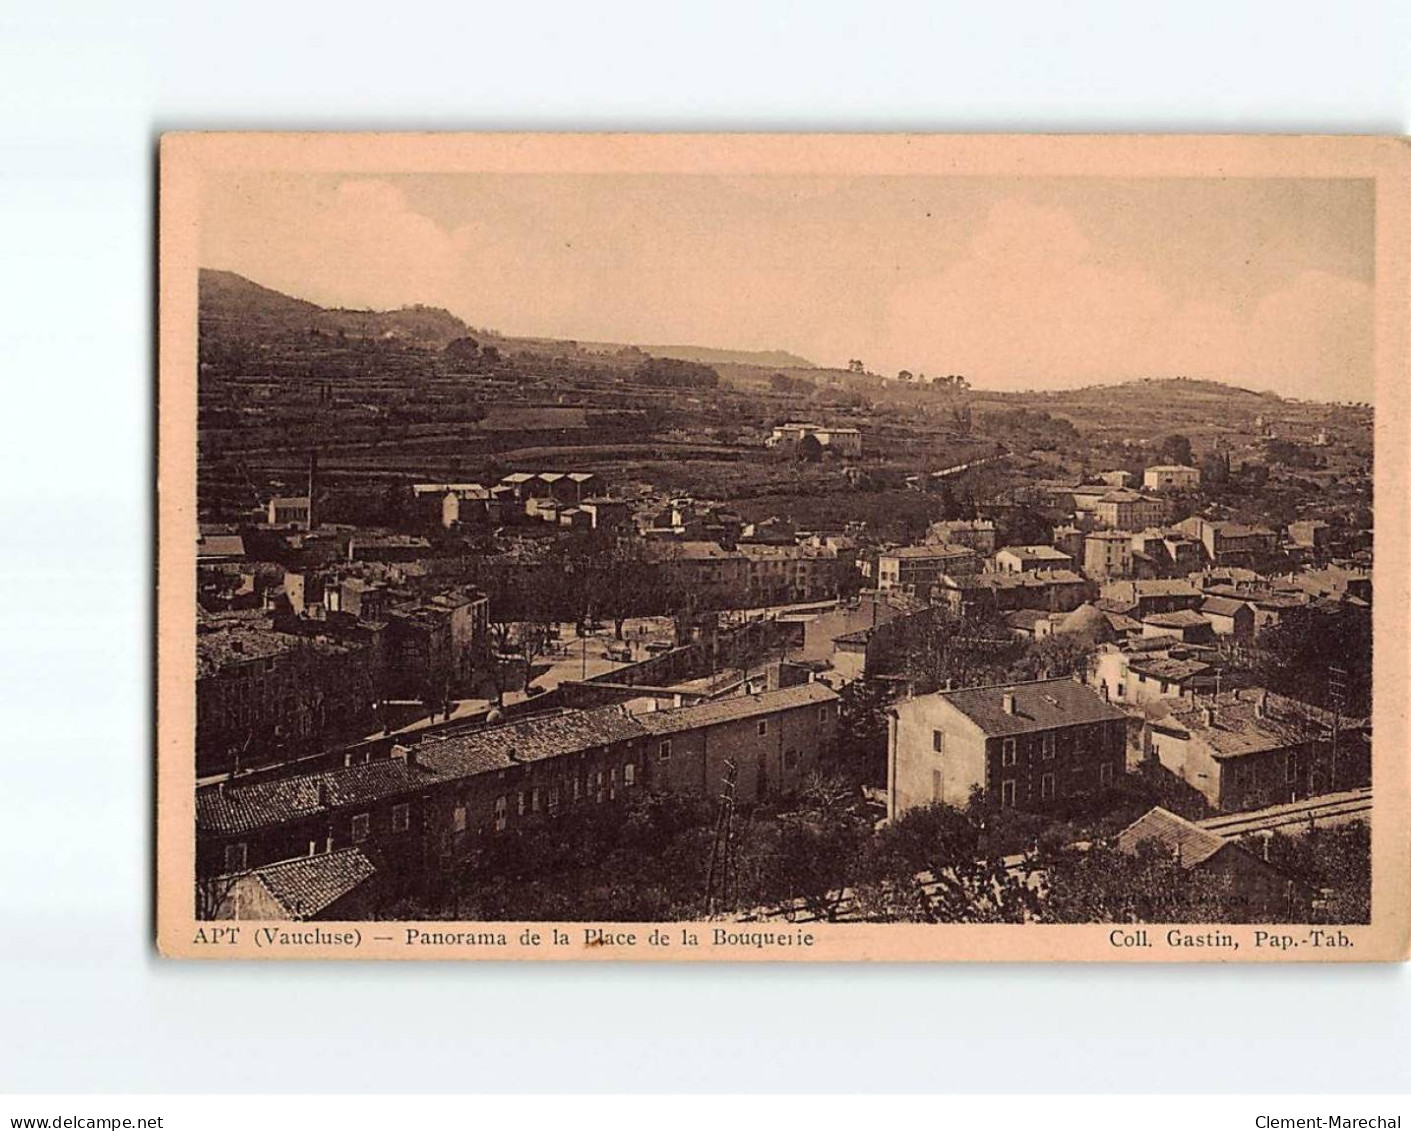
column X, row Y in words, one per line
column 358, row 244
column 1034, row 304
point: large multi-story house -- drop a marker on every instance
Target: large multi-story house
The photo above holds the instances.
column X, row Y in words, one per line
column 265, row 695
column 1058, row 590
column 1232, row 543
column 1171, row 477
column 715, row 578
column 1107, row 554
column 977, row 533
column 435, row 802
column 1025, row 559
column 1248, row 748
column 844, row 440
column 918, row 568
column 1023, row 745
column 781, row 575
column 1124, row 509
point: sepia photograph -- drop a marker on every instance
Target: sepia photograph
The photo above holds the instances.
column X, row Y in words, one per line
column 775, row 548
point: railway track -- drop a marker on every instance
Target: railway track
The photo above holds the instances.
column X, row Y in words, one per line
column 1330, row 809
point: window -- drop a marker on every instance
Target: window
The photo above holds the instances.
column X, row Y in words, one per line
column 664, row 751
column 1010, row 754
column 1291, row 767
column 938, row 741
column 1006, row 793
column 1049, row 745
column 235, row 857
column 501, row 813
column 520, row 802
column 1047, row 787
column 577, row 787
column 762, row 726
column 629, row 774
column 401, row 818
column 937, row 783
column 1104, row 774
column 791, row 759
column 534, row 799
column 823, row 713
column 458, row 818
column 361, row 824
column 612, row 782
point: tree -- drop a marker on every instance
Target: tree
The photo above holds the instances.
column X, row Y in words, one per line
column 810, row 448
column 462, row 351
column 1335, row 861
column 1176, row 449
column 861, row 740
column 1102, row 884
column 398, row 506
column 933, row 864
column 812, row 861
column 937, row 647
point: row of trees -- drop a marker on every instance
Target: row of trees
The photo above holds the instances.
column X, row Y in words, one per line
column 647, row 860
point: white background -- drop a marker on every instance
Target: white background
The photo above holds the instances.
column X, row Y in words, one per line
column 84, row 91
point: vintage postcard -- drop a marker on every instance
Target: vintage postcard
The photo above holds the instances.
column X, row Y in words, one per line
column 767, row 547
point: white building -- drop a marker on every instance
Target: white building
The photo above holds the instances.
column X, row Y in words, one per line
column 1171, row 477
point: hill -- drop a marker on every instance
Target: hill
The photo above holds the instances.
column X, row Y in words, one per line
column 233, row 307
column 763, row 359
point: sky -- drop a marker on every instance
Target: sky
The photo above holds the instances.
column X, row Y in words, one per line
column 1017, row 283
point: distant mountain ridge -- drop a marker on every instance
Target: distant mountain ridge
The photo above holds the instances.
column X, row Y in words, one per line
column 706, row 355
column 231, row 305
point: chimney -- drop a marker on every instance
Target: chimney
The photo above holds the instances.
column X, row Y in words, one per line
column 1009, row 703
column 1207, row 715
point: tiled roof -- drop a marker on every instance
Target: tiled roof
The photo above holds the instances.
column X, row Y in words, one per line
column 799, row 553
column 1152, row 587
column 230, row 808
column 935, row 550
column 1222, row 606
column 1034, row 579
column 1168, row 670
column 734, row 708
column 1040, row 705
column 1190, row 843
column 1238, row 729
column 306, row 886
column 1181, row 618
column 696, row 551
column 1239, row 530
column 527, row 740
column 220, row 546
column 1036, row 553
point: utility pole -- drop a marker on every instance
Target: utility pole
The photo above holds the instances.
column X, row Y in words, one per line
column 720, row 873
column 1337, row 699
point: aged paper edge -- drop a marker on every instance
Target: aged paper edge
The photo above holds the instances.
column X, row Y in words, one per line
column 185, row 158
